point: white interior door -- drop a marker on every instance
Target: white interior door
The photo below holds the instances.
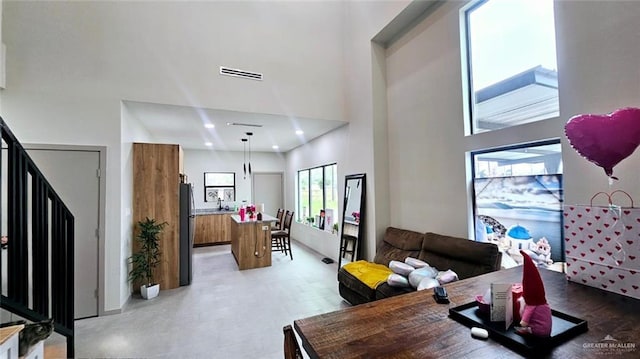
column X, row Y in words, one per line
column 268, row 189
column 74, row 177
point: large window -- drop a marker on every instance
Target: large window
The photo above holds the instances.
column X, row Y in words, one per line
column 303, row 195
column 317, row 191
column 519, row 189
column 532, row 159
column 219, row 186
column 511, row 59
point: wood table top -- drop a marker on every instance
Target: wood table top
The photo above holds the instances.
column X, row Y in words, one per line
column 8, row 332
column 413, row 325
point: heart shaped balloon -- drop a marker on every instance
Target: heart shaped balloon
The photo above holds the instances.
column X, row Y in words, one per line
column 605, row 139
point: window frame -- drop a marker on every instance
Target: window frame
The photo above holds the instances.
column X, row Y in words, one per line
column 468, row 90
column 508, row 148
column 473, row 167
column 301, row 217
column 219, row 186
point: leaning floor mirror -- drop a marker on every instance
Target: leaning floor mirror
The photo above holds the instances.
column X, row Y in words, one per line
column 352, row 218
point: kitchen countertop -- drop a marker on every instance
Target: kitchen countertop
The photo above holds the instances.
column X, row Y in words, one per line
column 265, row 218
column 204, row 211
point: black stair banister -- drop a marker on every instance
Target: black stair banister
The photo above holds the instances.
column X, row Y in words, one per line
column 40, row 231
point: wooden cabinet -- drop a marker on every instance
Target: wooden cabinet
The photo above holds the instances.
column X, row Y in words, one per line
column 156, row 194
column 212, row 229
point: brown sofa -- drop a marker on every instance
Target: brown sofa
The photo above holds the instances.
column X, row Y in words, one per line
column 466, row 258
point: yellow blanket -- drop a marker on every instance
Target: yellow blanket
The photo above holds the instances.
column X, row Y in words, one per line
column 371, row 274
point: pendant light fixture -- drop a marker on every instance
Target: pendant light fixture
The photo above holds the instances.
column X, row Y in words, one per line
column 249, row 134
column 244, row 151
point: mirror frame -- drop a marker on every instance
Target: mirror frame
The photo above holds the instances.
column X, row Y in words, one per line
column 358, row 245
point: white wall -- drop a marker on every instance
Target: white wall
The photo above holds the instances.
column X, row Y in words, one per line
column 70, row 64
column 197, row 162
column 598, row 51
column 598, row 72
column 132, row 131
column 426, row 127
column 367, row 147
column 327, row 149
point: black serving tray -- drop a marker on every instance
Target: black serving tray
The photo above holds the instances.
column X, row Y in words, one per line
column 563, row 328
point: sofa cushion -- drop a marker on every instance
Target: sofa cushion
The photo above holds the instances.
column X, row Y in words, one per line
column 357, row 292
column 465, row 257
column 371, row 274
column 398, row 244
column 352, row 296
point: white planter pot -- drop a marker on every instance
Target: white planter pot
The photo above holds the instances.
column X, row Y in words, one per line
column 149, row 292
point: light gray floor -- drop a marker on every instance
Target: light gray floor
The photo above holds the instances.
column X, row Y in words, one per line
column 224, row 313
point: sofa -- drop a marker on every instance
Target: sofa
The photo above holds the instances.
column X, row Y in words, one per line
column 465, row 257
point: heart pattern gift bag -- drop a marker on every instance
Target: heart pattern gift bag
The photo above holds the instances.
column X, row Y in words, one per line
column 602, row 245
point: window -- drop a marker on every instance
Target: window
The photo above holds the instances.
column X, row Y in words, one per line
column 511, row 60
column 219, row 186
column 331, row 187
column 520, row 186
column 532, row 159
column 303, row 195
column 317, row 190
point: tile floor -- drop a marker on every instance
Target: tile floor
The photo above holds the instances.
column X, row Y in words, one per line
column 224, row 313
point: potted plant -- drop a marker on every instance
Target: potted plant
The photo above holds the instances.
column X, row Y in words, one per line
column 144, row 262
column 335, row 228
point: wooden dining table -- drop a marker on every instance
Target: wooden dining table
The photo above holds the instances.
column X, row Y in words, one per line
column 413, row 325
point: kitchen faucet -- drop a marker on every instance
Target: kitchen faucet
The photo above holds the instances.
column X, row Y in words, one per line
column 219, row 204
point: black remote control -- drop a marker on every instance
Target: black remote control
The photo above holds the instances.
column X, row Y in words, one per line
column 440, row 294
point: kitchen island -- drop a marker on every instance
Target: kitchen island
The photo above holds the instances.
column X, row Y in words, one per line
column 251, row 241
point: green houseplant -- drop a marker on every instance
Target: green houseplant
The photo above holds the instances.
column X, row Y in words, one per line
column 146, row 259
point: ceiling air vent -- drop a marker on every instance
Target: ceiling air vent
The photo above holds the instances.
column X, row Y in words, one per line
column 240, row 73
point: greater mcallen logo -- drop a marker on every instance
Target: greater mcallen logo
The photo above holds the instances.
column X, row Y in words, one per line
column 610, row 345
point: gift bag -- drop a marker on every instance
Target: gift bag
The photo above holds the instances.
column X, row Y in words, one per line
column 602, row 245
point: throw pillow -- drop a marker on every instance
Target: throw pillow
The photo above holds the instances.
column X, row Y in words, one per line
column 447, row 276
column 396, row 280
column 400, row 268
column 419, row 274
column 428, row 283
column 415, row 262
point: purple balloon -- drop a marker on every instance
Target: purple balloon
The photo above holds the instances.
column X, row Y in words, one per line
column 605, row 139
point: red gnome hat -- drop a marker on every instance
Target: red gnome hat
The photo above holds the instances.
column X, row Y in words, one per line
column 532, row 286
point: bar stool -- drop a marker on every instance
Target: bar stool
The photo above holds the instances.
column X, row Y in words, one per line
column 276, row 241
column 282, row 238
column 279, row 215
column 346, row 240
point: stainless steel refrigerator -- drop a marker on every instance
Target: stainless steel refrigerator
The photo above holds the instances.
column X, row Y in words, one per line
column 187, row 217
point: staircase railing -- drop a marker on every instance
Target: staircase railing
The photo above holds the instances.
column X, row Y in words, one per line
column 40, row 233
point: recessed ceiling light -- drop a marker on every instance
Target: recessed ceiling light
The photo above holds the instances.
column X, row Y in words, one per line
column 209, row 125
column 208, row 144
column 275, row 147
column 299, row 132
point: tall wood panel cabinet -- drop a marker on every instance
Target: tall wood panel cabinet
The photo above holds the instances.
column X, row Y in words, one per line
column 156, row 194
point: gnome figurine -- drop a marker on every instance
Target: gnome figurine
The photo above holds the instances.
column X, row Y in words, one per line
column 536, row 316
